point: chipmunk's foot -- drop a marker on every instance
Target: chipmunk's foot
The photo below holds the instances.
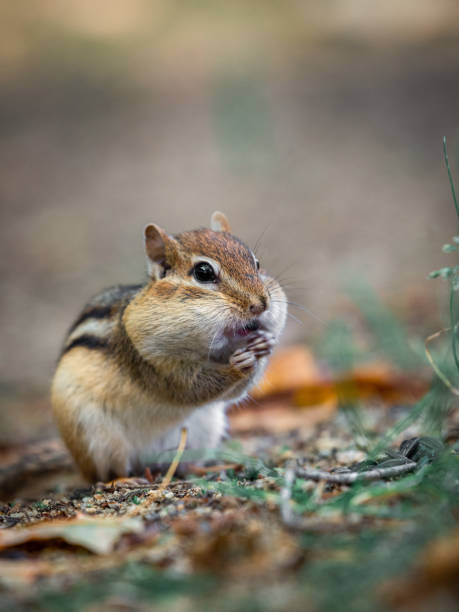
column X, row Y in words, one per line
column 127, row 481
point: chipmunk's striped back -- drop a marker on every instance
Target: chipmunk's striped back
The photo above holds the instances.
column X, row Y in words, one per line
column 94, row 327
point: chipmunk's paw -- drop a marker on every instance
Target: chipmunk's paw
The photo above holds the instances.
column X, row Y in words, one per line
column 258, row 345
column 243, row 359
column 262, row 344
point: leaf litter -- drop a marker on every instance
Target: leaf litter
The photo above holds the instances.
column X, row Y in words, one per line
column 305, row 509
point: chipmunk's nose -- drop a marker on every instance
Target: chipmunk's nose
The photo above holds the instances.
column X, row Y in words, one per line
column 258, row 306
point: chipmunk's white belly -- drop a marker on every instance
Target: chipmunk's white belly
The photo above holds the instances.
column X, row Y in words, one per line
column 155, row 430
column 205, row 427
column 153, row 442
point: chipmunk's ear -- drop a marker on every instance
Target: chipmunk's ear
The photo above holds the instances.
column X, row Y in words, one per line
column 156, row 247
column 219, row 223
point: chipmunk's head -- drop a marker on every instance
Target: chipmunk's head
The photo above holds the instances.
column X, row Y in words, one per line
column 209, row 285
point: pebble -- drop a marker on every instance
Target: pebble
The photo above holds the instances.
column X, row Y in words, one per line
column 350, row 456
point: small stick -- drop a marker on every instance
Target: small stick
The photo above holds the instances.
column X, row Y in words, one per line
column 174, row 465
column 202, row 470
column 286, row 495
column 167, row 478
column 437, row 370
column 149, row 475
column 121, row 484
column 293, row 521
column 351, row 477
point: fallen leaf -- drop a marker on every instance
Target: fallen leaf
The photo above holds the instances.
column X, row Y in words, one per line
column 98, row 535
column 366, row 381
column 293, row 380
column 203, row 470
column 277, row 416
column 20, row 572
column 274, row 409
column 293, row 371
column 289, row 369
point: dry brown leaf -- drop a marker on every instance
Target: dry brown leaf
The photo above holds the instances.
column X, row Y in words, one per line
column 288, row 369
column 368, row 380
column 381, row 380
column 277, row 416
column 293, row 379
column 20, row 572
column 98, row 535
column 294, row 371
column 199, row 470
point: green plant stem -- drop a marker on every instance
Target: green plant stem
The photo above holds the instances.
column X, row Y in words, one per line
column 453, row 323
column 450, row 177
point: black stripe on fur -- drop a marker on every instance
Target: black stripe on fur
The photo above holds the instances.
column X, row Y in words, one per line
column 97, row 312
column 88, row 341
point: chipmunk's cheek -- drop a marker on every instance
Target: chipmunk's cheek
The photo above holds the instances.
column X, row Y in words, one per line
column 217, row 343
column 268, row 319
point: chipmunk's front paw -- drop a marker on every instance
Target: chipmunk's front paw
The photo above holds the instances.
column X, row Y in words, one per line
column 262, row 344
column 243, row 359
column 258, row 345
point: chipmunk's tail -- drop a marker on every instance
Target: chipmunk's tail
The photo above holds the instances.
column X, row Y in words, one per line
column 30, row 462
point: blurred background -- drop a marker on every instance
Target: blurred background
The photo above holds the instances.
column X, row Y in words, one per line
column 315, row 126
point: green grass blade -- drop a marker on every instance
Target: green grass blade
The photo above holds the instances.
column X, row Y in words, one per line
column 450, row 177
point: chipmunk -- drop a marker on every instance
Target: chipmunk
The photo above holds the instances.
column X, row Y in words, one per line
column 143, row 361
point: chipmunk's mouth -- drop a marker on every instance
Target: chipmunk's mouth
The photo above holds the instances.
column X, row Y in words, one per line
column 243, row 329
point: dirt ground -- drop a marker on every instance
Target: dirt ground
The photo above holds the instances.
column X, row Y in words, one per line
column 231, row 531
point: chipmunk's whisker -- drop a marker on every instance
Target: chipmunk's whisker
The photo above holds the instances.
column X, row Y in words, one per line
column 300, row 307
column 289, row 314
column 212, row 344
column 286, row 269
column 306, row 310
column 260, row 237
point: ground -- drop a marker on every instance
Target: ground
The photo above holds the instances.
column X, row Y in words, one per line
column 245, row 531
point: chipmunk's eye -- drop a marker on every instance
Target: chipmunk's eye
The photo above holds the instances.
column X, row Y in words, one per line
column 204, row 273
column 257, row 263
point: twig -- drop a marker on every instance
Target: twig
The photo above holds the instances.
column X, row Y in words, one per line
column 450, row 176
column 174, row 465
column 437, row 370
column 114, row 485
column 286, row 495
column 351, row 477
column 43, row 461
column 152, row 495
column 148, row 475
column 300, row 523
column 199, row 470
